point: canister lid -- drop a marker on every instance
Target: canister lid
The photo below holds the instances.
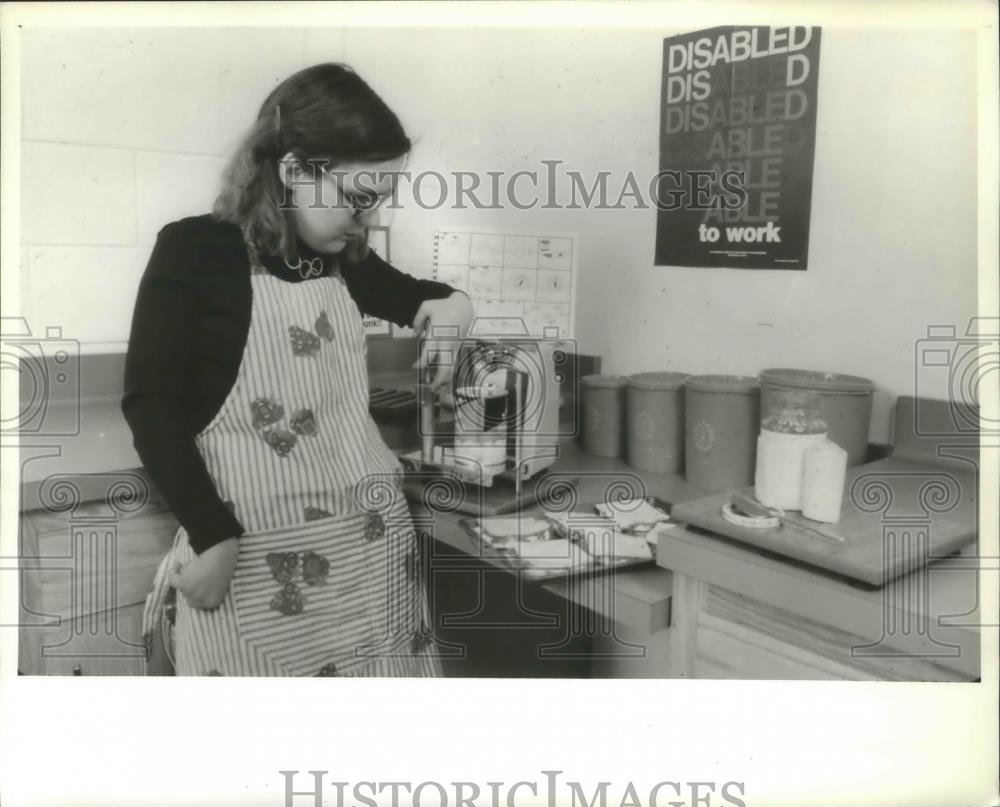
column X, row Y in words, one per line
column 733, row 384
column 657, row 381
column 603, row 381
column 811, row 379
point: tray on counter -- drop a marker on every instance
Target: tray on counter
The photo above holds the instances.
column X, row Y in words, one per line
column 568, row 558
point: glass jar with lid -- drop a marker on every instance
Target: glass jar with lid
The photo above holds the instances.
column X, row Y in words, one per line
column 792, row 411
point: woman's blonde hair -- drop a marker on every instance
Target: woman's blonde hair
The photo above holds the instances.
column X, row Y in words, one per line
column 324, row 114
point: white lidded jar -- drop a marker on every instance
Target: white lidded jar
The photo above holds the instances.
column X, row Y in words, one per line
column 824, row 474
column 789, row 426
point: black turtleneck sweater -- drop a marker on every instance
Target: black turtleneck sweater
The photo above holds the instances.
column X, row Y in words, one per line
column 189, row 329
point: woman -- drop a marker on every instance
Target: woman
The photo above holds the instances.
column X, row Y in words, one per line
column 246, row 391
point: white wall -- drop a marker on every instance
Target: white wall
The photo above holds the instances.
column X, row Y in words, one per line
column 126, row 130
column 893, row 236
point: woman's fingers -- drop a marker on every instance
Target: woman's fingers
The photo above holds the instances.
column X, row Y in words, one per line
column 435, row 321
column 174, row 575
column 439, row 357
column 442, row 374
column 422, row 359
column 179, row 581
column 204, row 581
column 420, row 321
column 430, row 354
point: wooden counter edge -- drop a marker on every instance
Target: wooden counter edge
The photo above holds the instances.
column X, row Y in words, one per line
column 812, row 596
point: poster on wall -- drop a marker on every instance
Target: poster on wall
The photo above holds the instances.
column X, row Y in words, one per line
column 737, row 137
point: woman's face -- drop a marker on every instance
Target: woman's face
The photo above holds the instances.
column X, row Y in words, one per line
column 329, row 209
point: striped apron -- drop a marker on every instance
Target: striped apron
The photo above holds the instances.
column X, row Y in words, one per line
column 327, row 577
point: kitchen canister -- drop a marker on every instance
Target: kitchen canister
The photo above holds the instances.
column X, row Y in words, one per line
column 721, row 420
column 602, row 410
column 845, row 404
column 655, row 422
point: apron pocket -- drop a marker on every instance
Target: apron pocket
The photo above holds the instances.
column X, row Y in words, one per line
column 299, row 593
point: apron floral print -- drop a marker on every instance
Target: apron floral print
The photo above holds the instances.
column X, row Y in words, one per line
column 326, row 580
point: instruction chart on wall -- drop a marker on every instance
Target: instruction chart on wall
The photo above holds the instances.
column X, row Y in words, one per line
column 519, row 283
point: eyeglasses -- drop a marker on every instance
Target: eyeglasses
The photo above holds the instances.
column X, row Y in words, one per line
column 361, row 202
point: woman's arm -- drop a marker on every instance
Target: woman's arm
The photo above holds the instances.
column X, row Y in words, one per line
column 164, row 327
column 381, row 290
column 431, row 308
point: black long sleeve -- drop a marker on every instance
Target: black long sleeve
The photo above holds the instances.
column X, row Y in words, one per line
column 189, row 330
column 158, row 400
column 383, row 291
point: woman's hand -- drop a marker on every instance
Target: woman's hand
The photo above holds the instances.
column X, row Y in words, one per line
column 204, row 580
column 442, row 323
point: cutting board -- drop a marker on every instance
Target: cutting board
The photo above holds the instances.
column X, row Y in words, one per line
column 897, row 516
